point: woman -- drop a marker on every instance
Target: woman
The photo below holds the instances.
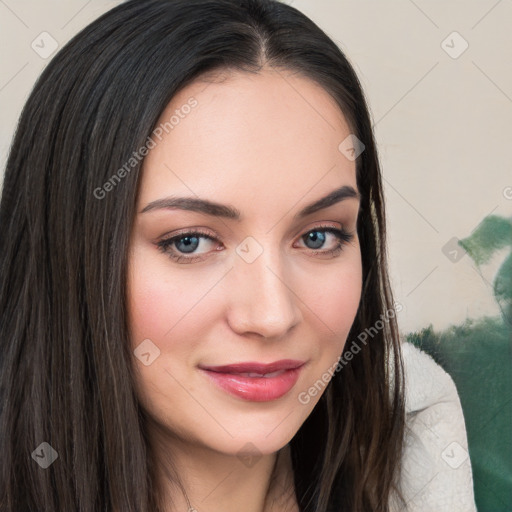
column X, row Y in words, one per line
column 194, row 299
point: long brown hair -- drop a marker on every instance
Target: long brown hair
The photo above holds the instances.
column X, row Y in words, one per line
column 66, row 375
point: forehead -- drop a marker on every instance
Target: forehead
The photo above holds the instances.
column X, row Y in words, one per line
column 274, row 133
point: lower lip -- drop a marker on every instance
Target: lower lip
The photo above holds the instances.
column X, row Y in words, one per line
column 256, row 389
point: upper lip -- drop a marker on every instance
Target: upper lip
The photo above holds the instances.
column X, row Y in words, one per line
column 254, row 367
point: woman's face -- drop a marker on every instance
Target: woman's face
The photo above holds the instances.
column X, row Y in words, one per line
column 267, row 279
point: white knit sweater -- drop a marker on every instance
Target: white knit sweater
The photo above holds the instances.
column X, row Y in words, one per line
column 436, row 475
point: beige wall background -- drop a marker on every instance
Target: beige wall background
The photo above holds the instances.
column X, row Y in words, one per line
column 438, row 78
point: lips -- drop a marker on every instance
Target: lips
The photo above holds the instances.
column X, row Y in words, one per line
column 258, row 382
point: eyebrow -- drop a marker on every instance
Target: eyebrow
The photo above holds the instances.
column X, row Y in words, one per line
column 226, row 211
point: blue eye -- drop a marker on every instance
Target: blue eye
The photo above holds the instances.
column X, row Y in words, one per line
column 188, row 242
column 185, row 243
column 341, row 235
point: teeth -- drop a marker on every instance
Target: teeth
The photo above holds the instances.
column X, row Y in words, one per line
column 266, row 375
column 275, row 374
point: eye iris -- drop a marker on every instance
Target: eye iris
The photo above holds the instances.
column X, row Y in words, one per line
column 191, row 243
column 318, row 240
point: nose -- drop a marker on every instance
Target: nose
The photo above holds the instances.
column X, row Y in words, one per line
column 262, row 302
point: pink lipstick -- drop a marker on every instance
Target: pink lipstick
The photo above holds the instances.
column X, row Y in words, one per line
column 257, row 382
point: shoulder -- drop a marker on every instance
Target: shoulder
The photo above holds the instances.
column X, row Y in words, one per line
column 426, row 382
column 436, row 469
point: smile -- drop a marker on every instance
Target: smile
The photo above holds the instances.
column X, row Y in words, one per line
column 256, row 382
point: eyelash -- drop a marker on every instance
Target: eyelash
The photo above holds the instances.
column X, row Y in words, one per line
column 342, row 235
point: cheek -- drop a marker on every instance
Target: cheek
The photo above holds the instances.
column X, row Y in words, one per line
column 333, row 294
column 169, row 311
column 152, row 307
column 161, row 305
column 333, row 298
column 341, row 300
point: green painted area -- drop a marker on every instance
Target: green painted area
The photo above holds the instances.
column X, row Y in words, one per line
column 478, row 356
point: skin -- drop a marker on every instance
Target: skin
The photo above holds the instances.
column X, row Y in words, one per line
column 266, row 144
